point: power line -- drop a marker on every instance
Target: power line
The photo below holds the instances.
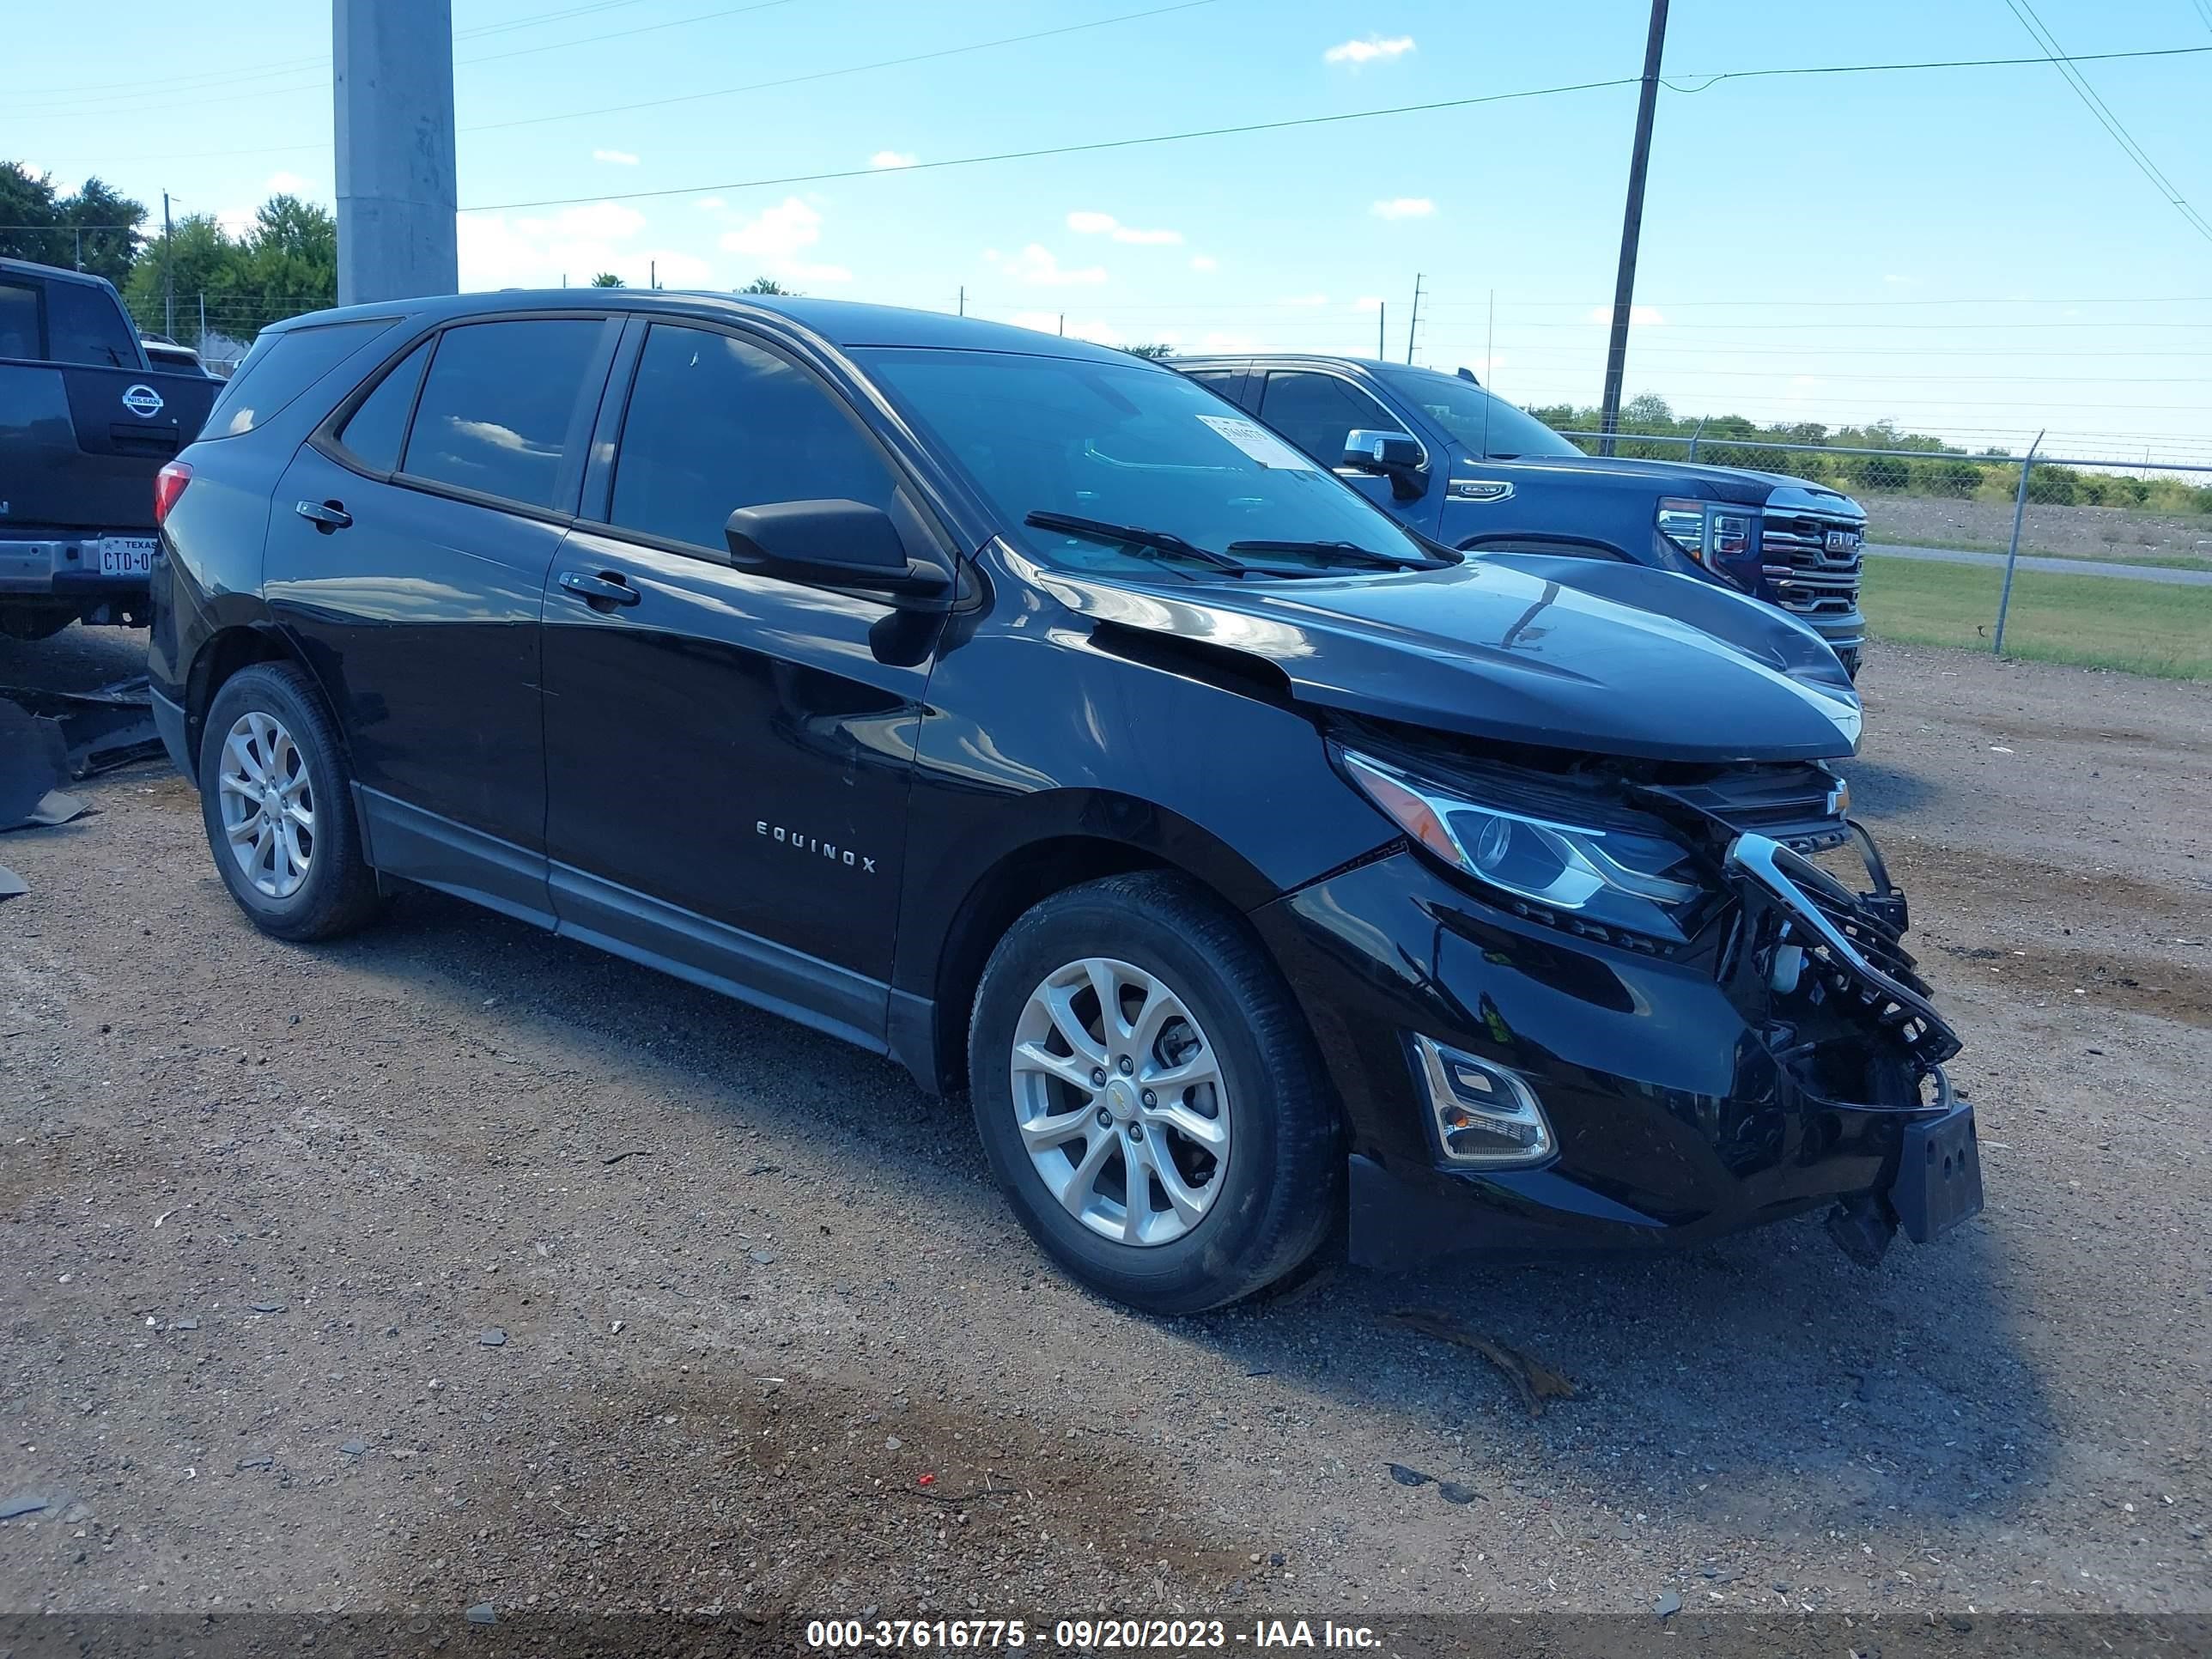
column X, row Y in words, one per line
column 1277, row 126
column 826, row 75
column 2097, row 106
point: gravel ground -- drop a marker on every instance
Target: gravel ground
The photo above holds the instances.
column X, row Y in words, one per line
column 454, row 1265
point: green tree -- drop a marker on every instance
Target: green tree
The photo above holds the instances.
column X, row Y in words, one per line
column 1154, row 351
column 97, row 225
column 607, row 279
column 767, row 285
column 286, row 263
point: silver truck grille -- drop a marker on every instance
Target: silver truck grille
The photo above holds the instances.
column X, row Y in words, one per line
column 1811, row 560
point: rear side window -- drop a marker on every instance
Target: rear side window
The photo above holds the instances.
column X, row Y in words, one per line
column 19, row 320
column 1314, row 411
column 1222, row 381
column 378, row 426
column 715, row 424
column 283, row 366
column 84, row 324
column 496, row 406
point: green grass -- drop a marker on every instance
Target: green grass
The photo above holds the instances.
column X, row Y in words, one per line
column 2099, row 621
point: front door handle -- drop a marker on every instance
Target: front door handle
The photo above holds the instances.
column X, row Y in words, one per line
column 609, row 589
column 326, row 516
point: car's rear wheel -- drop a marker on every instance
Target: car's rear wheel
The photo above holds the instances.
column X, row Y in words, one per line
column 1148, row 1097
column 279, row 816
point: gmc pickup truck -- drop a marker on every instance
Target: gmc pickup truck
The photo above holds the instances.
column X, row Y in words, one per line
column 1473, row 471
column 86, row 420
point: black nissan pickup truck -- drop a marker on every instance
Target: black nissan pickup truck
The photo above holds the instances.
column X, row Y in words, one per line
column 86, row 420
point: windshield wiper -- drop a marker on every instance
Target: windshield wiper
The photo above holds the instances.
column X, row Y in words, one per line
column 1346, row 552
column 1135, row 536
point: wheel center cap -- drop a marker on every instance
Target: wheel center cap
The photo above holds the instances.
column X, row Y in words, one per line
column 1122, row 1100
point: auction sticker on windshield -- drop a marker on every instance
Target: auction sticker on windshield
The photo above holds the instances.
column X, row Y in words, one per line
column 1261, row 445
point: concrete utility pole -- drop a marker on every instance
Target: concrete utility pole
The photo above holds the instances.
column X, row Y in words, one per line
column 1631, row 228
column 393, row 87
column 1414, row 321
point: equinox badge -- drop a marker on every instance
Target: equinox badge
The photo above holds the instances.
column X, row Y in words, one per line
column 804, row 843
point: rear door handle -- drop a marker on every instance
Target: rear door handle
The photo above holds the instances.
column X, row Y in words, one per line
column 324, row 515
column 608, row 589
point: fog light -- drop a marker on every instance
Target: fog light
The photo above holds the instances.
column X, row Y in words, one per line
column 1484, row 1114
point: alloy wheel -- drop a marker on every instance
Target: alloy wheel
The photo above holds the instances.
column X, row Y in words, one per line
column 268, row 805
column 1121, row 1101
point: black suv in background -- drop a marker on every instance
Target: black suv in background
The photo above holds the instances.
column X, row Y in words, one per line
column 1021, row 710
column 1455, row 462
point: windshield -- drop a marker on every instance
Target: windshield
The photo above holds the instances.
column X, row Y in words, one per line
column 1490, row 427
column 1130, row 445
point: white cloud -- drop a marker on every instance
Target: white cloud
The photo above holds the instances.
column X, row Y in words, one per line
column 1203, row 262
column 1038, row 264
column 1089, row 223
column 891, row 158
column 1304, row 300
column 287, row 184
column 1806, row 380
column 574, row 243
column 1373, row 47
column 620, row 158
column 777, row 237
column 711, row 204
column 1902, row 281
column 1218, row 339
column 1404, row 207
column 234, row 222
column 1639, row 316
column 1367, row 302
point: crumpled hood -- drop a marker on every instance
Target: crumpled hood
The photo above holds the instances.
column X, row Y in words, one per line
column 1491, row 650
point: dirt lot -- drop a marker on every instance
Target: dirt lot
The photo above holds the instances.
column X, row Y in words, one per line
column 264, row 1212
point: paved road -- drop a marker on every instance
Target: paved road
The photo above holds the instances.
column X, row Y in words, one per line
column 2142, row 573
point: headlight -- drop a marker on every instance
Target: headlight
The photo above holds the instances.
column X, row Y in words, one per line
column 1590, row 879
column 1708, row 531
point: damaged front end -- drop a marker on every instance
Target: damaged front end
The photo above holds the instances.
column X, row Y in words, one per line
column 1850, row 1020
column 1661, row 1018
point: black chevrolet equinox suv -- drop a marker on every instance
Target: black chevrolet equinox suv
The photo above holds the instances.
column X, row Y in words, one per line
column 1021, row 710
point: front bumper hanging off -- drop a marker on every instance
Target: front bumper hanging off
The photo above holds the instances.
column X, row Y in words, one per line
column 1687, row 1097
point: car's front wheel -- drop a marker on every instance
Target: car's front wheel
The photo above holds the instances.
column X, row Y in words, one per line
column 1148, row 1097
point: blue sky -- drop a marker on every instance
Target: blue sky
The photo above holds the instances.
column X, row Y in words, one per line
column 1966, row 251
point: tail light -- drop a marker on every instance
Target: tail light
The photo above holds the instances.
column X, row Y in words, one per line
column 169, row 484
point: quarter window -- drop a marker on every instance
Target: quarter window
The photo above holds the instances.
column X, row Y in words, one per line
column 1314, row 411
column 376, row 429
column 497, row 403
column 715, row 423
column 282, row 364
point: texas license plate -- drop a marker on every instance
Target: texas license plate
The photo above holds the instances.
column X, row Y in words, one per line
column 126, row 556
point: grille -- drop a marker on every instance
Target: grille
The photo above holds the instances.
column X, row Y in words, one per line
column 1808, row 577
column 1796, row 805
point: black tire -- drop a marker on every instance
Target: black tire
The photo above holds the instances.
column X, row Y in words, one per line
column 1281, row 1185
column 339, row 893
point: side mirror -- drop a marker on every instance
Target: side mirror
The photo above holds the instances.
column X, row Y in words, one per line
column 1394, row 455
column 832, row 543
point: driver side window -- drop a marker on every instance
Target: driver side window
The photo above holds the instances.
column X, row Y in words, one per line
column 1315, row 410
column 715, row 423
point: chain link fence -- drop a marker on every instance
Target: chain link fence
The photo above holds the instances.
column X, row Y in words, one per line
column 2096, row 561
column 219, row 327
